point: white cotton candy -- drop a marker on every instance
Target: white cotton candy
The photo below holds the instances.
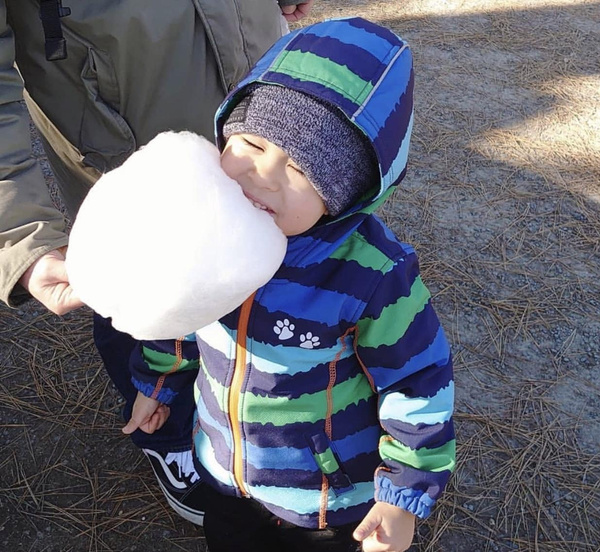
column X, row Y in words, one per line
column 168, row 243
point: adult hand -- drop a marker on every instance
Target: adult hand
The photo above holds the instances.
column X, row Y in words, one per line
column 295, row 13
column 47, row 281
column 386, row 528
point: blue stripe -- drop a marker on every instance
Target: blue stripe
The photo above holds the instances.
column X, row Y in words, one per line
column 393, row 95
column 423, row 334
column 415, row 501
column 300, row 375
column 313, row 88
column 345, row 276
column 275, row 359
column 427, row 382
column 437, row 353
column 418, row 410
column 310, row 380
column 361, row 442
column 397, row 167
column 268, row 330
column 386, row 233
column 308, row 502
column 206, row 456
column 407, row 476
column 361, row 62
column 353, row 419
column 208, row 420
column 304, row 302
column 211, row 356
column 395, row 283
column 380, row 31
column 321, row 241
column 301, row 477
column 303, row 251
column 349, row 514
column 165, row 395
column 351, row 32
column 379, row 237
column 265, row 62
column 383, row 362
column 428, row 436
column 279, row 458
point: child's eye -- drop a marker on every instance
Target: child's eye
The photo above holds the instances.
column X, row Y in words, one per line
column 252, row 144
column 297, row 169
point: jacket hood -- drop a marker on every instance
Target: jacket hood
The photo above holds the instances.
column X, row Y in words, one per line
column 361, row 68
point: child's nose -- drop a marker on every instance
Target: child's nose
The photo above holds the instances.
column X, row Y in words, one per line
column 268, row 175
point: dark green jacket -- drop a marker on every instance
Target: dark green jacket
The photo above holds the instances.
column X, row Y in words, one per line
column 134, row 68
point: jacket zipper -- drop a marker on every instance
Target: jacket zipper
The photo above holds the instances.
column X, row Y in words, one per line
column 235, row 389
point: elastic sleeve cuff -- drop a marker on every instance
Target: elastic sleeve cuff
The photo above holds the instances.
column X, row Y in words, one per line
column 416, row 502
column 165, row 395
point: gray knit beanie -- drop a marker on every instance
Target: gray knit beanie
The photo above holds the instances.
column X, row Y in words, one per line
column 334, row 154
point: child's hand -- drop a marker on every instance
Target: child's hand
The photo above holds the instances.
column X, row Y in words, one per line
column 386, row 528
column 148, row 415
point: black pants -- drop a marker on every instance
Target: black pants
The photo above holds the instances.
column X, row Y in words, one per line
column 234, row 524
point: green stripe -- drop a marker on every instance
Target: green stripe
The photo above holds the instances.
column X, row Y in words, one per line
column 324, row 71
column 327, row 462
column 218, row 390
column 394, row 319
column 164, row 362
column 356, row 249
column 310, row 407
column 432, row 460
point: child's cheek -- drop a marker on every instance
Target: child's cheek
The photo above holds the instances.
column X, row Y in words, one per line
column 228, row 162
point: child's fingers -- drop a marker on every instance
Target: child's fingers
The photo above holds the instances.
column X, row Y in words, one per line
column 370, row 534
column 131, row 426
column 151, row 425
column 139, row 421
column 157, row 420
column 148, row 415
column 366, row 527
column 373, row 544
column 160, row 417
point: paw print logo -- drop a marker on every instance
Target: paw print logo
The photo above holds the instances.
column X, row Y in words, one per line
column 284, row 329
column 309, row 341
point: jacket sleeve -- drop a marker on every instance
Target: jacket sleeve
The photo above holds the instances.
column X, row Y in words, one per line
column 30, row 225
column 162, row 369
column 407, row 359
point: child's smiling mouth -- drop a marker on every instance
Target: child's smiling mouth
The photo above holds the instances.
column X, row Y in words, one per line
column 258, row 204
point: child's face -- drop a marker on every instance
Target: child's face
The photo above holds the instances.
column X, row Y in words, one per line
column 273, row 182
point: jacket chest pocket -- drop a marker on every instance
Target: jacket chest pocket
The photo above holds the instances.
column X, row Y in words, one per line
column 105, row 138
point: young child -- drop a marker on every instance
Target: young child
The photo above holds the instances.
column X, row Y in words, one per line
column 324, row 402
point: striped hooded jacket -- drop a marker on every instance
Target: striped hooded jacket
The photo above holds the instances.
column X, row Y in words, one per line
column 331, row 386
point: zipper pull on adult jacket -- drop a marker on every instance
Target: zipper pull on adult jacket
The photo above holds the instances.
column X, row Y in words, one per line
column 50, row 13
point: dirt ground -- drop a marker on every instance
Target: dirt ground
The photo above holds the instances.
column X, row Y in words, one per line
column 502, row 201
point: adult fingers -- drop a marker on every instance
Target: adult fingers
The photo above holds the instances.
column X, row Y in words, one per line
column 48, row 282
